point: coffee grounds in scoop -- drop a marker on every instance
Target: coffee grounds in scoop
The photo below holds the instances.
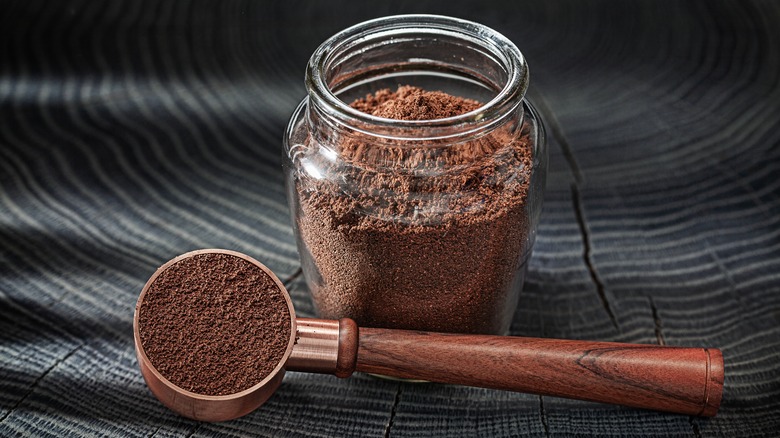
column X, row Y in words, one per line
column 214, row 324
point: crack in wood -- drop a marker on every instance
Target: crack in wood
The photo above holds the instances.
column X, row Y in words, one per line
column 194, row 429
column 733, row 288
column 392, row 411
column 154, row 434
column 543, row 415
column 694, row 426
column 551, row 121
column 659, row 334
column 37, row 380
column 587, row 255
column 288, row 281
column 557, row 132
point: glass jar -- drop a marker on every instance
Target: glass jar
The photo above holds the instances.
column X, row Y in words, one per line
column 416, row 224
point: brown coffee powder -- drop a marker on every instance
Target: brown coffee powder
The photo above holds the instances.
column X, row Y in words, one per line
column 428, row 234
column 412, row 103
column 214, row 324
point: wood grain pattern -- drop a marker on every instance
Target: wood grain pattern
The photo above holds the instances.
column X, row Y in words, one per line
column 133, row 131
column 674, row 379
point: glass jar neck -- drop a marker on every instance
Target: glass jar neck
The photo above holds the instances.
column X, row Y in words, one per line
column 439, row 53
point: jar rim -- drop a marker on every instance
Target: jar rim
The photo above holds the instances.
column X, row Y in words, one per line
column 511, row 59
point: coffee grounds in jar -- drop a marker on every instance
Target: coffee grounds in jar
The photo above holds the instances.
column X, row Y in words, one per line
column 397, row 242
column 412, row 103
column 214, row 324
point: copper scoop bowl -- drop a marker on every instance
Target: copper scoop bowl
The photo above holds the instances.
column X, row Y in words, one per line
column 672, row 379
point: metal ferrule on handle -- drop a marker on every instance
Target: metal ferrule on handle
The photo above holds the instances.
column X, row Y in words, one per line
column 324, row 346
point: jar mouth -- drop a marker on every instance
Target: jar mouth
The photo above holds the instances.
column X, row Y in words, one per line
column 358, row 40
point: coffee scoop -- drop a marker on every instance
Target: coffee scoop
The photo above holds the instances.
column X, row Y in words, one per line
column 672, row 379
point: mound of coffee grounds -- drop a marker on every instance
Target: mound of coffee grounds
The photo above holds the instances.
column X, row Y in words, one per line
column 214, row 324
column 412, row 103
column 424, row 234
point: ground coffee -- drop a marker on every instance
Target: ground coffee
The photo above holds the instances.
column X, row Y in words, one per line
column 428, row 234
column 214, row 324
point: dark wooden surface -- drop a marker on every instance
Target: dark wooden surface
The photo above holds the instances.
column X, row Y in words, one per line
column 133, row 131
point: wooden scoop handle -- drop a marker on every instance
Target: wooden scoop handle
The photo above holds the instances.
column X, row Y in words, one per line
column 673, row 379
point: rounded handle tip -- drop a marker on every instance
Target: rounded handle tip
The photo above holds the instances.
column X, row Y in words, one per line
column 713, row 392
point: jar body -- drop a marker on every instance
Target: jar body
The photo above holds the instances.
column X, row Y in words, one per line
column 425, row 226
